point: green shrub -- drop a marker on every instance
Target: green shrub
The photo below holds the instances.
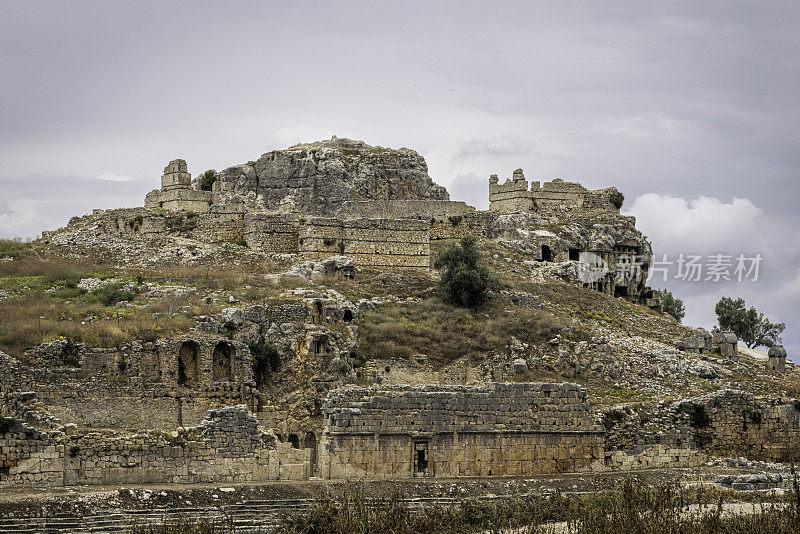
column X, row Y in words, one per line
column 671, row 305
column 463, row 281
column 617, row 199
column 110, row 294
column 207, row 180
column 14, row 248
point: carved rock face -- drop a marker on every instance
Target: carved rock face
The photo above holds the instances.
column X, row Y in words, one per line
column 319, row 177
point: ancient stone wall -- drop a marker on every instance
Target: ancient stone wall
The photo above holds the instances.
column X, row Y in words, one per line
column 272, row 233
column 500, row 429
column 142, row 385
column 402, row 209
column 222, row 223
column 176, row 193
column 178, row 200
column 733, row 423
column 556, row 200
column 369, row 242
column 476, row 223
column 226, row 447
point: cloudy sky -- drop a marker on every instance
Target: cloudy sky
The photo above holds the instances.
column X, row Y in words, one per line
column 691, row 109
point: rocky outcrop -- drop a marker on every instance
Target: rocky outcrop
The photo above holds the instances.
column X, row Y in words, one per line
column 317, row 178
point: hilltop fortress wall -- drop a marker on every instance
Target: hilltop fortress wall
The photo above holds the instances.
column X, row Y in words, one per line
column 555, row 199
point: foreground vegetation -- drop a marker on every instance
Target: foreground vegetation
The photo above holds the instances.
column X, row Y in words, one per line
column 631, row 509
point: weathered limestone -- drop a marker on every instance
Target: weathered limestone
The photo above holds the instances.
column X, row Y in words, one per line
column 726, row 342
column 319, row 177
column 776, row 358
column 700, row 342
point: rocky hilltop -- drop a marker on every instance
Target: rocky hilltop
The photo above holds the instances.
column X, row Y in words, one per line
column 317, row 178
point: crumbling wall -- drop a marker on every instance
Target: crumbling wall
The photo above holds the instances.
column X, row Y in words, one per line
column 733, row 423
column 226, row 447
column 176, row 193
column 495, row 430
column 555, row 200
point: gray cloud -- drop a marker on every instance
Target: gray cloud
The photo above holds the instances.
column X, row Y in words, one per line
column 682, row 98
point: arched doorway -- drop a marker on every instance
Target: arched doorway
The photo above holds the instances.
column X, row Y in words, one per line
column 222, row 362
column 188, row 363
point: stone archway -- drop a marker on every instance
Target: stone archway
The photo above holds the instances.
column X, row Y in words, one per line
column 222, row 362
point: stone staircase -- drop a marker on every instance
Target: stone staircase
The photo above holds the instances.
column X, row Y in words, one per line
column 246, row 517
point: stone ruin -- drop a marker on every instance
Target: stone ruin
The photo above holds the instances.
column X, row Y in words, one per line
column 726, row 342
column 379, row 207
column 776, row 358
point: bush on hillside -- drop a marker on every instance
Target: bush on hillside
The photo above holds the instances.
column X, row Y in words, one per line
column 463, row 281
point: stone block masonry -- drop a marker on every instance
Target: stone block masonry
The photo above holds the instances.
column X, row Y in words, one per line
column 369, row 242
column 448, row 431
column 272, row 233
column 732, row 423
column 222, row 223
column 556, row 199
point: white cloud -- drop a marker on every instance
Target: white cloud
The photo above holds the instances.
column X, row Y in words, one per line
column 704, row 224
column 21, row 217
column 708, row 225
column 111, row 177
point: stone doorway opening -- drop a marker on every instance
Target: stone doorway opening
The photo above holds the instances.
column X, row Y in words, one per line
column 316, row 313
column 422, row 467
column 311, row 443
column 547, row 254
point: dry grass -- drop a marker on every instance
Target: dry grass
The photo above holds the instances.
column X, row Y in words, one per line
column 446, row 333
column 38, row 318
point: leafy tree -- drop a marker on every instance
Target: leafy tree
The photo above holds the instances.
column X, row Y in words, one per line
column 753, row 328
column 671, row 304
column 463, row 281
column 207, row 179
